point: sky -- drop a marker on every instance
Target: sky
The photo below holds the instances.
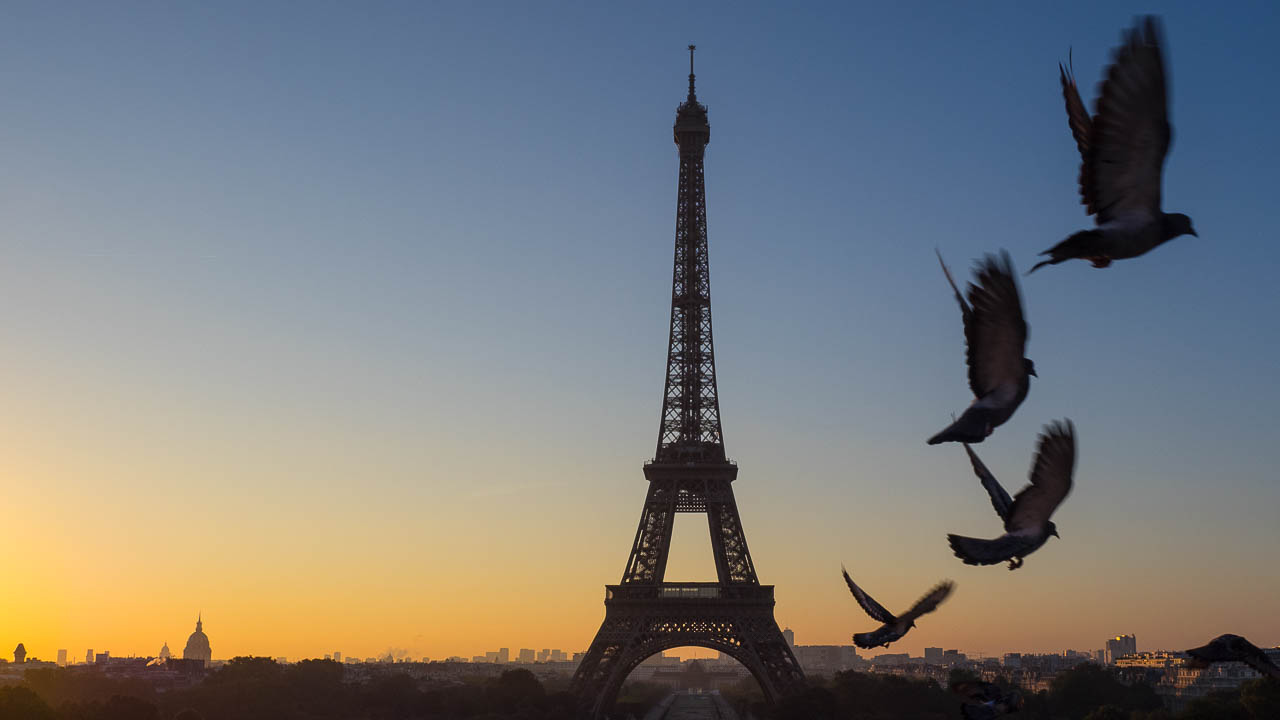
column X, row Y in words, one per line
column 345, row 324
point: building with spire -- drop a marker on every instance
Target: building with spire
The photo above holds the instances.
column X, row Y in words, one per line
column 164, row 651
column 198, row 645
column 20, row 654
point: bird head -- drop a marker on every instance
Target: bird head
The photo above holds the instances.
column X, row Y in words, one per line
column 1029, row 367
column 1053, row 530
column 1176, row 224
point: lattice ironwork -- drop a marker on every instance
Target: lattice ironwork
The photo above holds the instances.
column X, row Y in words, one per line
column 689, row 473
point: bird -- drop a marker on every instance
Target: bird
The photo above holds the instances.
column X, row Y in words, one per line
column 995, row 334
column 1026, row 519
column 986, row 700
column 1122, row 152
column 894, row 627
column 1229, row 648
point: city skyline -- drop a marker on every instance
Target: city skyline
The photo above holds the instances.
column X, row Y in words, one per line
column 303, row 336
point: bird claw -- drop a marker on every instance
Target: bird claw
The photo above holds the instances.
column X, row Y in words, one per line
column 1015, row 563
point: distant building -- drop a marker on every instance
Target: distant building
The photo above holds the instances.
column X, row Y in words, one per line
column 102, row 658
column 88, row 656
column 164, row 652
column 20, row 654
column 1012, row 660
column 198, row 645
column 790, row 637
column 337, row 656
column 933, row 656
column 62, row 658
column 526, row 655
column 504, row 655
column 282, row 660
column 1121, row 645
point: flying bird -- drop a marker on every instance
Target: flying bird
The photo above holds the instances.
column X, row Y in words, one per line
column 1122, row 151
column 894, row 627
column 995, row 336
column 1232, row 648
column 1026, row 519
column 986, row 700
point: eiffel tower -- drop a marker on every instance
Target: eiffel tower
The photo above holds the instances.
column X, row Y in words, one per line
column 689, row 473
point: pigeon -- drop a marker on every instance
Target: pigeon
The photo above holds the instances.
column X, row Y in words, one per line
column 995, row 334
column 894, row 627
column 1122, row 151
column 1026, row 518
column 986, row 700
column 1228, row 648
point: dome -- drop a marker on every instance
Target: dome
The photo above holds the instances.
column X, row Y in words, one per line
column 164, row 652
column 198, row 645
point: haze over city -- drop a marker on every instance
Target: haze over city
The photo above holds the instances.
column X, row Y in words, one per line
column 347, row 328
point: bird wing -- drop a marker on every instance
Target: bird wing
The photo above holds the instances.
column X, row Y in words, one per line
column 1131, row 133
column 995, row 331
column 1000, row 499
column 872, row 608
column 1077, row 116
column 1050, row 479
column 1253, row 656
column 965, row 312
column 930, row 601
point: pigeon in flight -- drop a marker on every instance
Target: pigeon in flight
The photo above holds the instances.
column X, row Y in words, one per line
column 1122, row 151
column 1026, row 518
column 986, row 700
column 894, row 627
column 995, row 334
column 1229, row 648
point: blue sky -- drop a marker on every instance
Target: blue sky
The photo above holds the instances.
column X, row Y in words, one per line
column 399, row 273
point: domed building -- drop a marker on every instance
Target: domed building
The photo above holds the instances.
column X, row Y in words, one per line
column 198, row 645
column 164, row 652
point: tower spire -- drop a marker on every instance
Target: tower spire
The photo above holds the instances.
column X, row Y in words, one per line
column 692, row 96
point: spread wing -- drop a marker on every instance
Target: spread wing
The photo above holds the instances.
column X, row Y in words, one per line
column 1077, row 116
column 1000, row 499
column 873, row 608
column 1259, row 661
column 930, row 601
column 1050, row 479
column 1131, row 133
column 965, row 312
column 995, row 331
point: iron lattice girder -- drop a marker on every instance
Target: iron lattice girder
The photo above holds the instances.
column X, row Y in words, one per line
column 643, row 620
column 690, row 487
column 690, row 428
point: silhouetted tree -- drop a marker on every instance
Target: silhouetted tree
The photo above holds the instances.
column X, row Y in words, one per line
column 1261, row 698
column 21, row 703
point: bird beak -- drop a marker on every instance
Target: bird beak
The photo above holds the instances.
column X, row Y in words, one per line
column 1055, row 534
column 1195, row 234
column 1033, row 374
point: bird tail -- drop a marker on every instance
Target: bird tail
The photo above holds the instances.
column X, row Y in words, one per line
column 1086, row 243
column 975, row 551
column 970, row 428
column 866, row 640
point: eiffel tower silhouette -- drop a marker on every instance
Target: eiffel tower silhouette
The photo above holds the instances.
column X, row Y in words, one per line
column 689, row 473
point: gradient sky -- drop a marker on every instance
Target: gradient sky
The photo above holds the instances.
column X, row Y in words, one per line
column 345, row 324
